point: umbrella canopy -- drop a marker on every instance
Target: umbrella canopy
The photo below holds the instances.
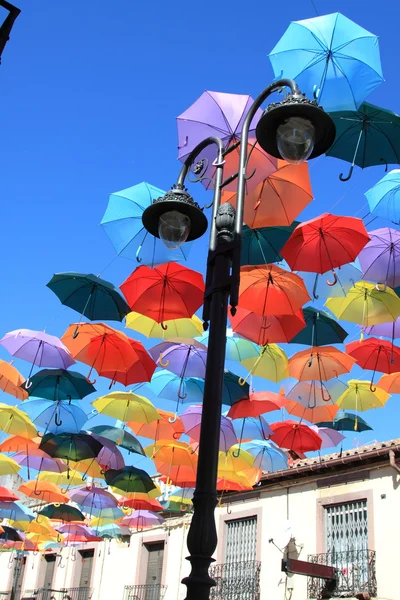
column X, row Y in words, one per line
column 320, row 285
column 332, row 53
column 267, row 457
column 390, row 383
column 120, row 436
column 129, row 479
column 126, row 406
column 16, row 511
column 320, row 329
column 271, row 364
column 191, row 419
column 267, row 329
column 366, row 305
column 330, row 437
column 295, row 436
column 16, row 422
column 270, row 290
column 257, row 404
column 10, row 534
column 8, row 466
column 66, row 479
column 176, row 328
column 380, row 258
column 11, row 381
column 316, row 393
column 366, row 137
column 262, row 246
column 384, row 197
column 56, row 417
column 183, row 359
column 232, row 390
column 7, row 495
column 390, row 330
column 123, row 224
column 166, row 427
column 359, row 396
column 40, row 461
column 251, row 428
column 278, row 199
column 93, row 497
column 320, row 363
column 169, row 291
column 92, row 297
column 16, row 443
column 324, row 243
column 375, row 355
column 345, row 421
column 62, row 512
column 314, row 414
column 233, row 463
column 43, row 490
column 236, row 347
column 70, row 446
column 59, row 384
column 175, row 460
column 142, row 519
column 140, row 501
column 109, row 456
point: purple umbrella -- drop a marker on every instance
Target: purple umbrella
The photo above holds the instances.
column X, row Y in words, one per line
column 93, row 497
column 109, row 456
column 390, row 330
column 182, row 359
column 38, row 348
column 41, row 462
column 191, row 419
column 330, row 437
column 221, row 115
column 75, row 529
column 380, row 258
column 142, row 519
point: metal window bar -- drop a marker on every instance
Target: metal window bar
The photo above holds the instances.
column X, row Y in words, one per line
column 241, row 540
column 346, row 526
column 75, row 593
column 236, row 581
column 152, row 591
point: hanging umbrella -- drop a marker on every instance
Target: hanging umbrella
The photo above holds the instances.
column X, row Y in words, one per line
column 175, row 460
column 380, row 258
column 320, row 363
column 183, row 359
column 44, row 491
column 129, row 479
column 56, row 417
column 237, row 349
column 262, row 246
column 267, row 456
column 166, row 427
column 120, row 436
column 345, row 421
column 142, row 519
column 70, row 446
column 16, row 443
column 10, row 534
column 295, row 436
column 165, row 385
column 314, row 414
column 38, row 348
column 278, row 199
column 93, row 497
column 330, row 437
column 312, row 394
column 8, row 466
column 232, row 390
column 123, row 224
column 320, row 329
column 176, row 328
column 107, row 515
column 267, row 329
column 126, row 406
column 271, row 364
column 16, row 511
column 366, row 305
column 390, row 330
column 325, row 242
column 366, row 137
column 109, row 456
column 234, row 462
column 384, row 197
column 7, row 495
column 88, row 467
column 11, row 380
column 62, row 512
column 112, row 530
column 66, row 479
column 17, row 422
column 334, row 55
column 59, row 384
column 169, row 291
column 257, row 404
column 251, row 428
column 375, row 355
column 390, row 383
column 270, row 290
column 360, row 397
column 191, row 419
column 40, row 461
column 140, row 502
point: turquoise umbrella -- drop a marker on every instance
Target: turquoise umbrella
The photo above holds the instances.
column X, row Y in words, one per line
column 320, row 330
column 59, row 384
column 384, row 197
column 262, row 246
column 345, row 421
column 237, row 348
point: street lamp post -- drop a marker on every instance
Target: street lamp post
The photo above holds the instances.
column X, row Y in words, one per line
column 7, row 24
column 294, row 129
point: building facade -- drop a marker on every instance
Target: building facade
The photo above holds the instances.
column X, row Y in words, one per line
column 340, row 510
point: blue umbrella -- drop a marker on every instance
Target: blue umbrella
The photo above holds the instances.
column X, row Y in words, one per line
column 168, row 386
column 237, row 348
column 332, row 57
column 254, row 428
column 267, row 456
column 318, row 286
column 384, row 197
column 16, row 511
column 56, row 417
column 122, row 222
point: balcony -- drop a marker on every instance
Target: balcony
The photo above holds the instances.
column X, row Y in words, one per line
column 355, row 573
column 236, row 581
column 152, row 591
column 76, row 593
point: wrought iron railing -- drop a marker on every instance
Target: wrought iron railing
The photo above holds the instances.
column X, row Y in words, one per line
column 5, row 595
column 356, row 572
column 236, row 581
column 75, row 593
column 152, row 591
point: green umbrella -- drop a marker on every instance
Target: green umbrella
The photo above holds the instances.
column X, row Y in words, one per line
column 62, row 512
column 262, row 246
column 92, row 297
column 366, row 137
column 345, row 421
column 59, row 384
column 70, row 446
column 320, row 329
column 119, row 436
column 129, row 479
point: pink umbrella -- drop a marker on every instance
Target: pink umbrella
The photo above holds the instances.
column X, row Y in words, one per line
column 191, row 419
column 142, row 519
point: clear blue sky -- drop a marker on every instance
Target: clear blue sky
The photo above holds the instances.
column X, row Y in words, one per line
column 89, row 93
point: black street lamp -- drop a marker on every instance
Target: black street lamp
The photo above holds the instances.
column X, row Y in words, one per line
column 294, row 129
column 7, row 24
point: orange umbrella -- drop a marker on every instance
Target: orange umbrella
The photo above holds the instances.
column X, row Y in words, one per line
column 15, row 443
column 390, row 383
column 256, row 404
column 267, row 329
column 295, row 436
column 176, row 460
column 279, row 198
column 270, row 290
column 320, row 363
column 163, row 428
column 11, row 381
column 318, row 414
column 45, row 491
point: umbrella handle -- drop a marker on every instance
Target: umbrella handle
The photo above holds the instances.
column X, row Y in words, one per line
column 138, row 259
column 348, row 176
column 61, row 565
column 314, row 292
column 259, row 484
column 228, row 509
column 386, row 164
column 379, row 289
column 28, row 384
column 59, row 538
column 235, row 453
column 89, row 381
column 56, row 421
column 177, row 434
column 372, row 387
column 183, row 508
column 173, row 419
column 335, row 279
column 163, row 326
column 180, row 396
column 185, row 143
column 161, row 362
column 241, row 381
column 76, row 332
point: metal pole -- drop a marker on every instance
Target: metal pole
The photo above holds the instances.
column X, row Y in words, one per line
column 6, row 27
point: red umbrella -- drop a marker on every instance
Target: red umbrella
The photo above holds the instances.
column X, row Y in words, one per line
column 140, row 370
column 140, row 503
column 375, row 355
column 267, row 329
column 169, row 291
column 295, row 436
column 7, row 495
column 256, row 404
column 326, row 242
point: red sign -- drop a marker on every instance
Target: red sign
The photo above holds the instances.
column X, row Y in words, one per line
column 302, row 567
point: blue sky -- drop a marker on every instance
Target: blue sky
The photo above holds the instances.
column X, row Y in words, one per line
column 89, row 96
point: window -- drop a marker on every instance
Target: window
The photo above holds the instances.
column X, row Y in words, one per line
column 241, row 540
column 346, row 527
column 155, row 560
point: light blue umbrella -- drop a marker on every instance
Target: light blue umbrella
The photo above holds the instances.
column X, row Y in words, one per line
column 318, row 286
column 112, row 530
column 168, row 386
column 55, row 417
column 384, row 197
column 16, row 511
column 237, row 348
column 267, row 456
column 122, row 222
column 332, row 57
column 254, row 428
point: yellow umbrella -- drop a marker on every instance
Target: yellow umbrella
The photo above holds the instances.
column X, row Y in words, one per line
column 234, row 462
column 137, row 495
column 8, row 466
column 42, row 538
column 271, row 364
column 16, row 422
column 175, row 328
column 42, row 526
column 359, row 396
column 69, row 479
column 366, row 305
column 88, row 467
column 127, row 406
